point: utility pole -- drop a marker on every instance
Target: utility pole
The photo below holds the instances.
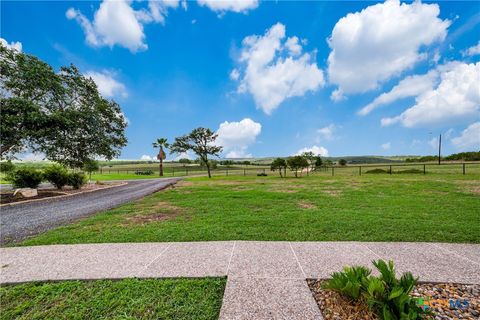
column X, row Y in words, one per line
column 439, row 148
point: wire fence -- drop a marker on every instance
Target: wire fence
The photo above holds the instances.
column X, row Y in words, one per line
column 465, row 168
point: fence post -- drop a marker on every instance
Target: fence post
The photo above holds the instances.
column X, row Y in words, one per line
column 390, row 169
column 332, row 171
column 227, row 172
column 464, row 168
column 101, row 171
column 186, row 171
column 173, row 172
column 360, row 170
column 118, row 171
column 244, row 173
column 264, row 170
column 424, row 171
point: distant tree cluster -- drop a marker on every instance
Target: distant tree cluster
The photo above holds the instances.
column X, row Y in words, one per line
column 298, row 163
column 462, row 156
column 61, row 115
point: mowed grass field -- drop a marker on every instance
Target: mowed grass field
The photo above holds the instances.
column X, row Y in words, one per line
column 371, row 207
column 174, row 299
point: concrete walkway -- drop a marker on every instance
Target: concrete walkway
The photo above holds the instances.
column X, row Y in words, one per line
column 266, row 280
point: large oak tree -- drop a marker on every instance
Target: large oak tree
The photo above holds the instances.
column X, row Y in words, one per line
column 59, row 114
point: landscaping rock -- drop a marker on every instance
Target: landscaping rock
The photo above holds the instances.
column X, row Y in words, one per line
column 445, row 300
column 26, row 192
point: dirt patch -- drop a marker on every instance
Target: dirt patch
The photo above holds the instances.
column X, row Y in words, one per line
column 469, row 186
column 306, row 205
column 159, row 211
column 332, row 192
column 183, row 183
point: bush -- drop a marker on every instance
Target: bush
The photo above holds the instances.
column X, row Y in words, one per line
column 377, row 171
column 349, row 282
column 261, row 174
column 6, row 166
column 144, row 173
column 386, row 295
column 56, row 175
column 25, row 178
column 410, row 171
column 77, row 180
column 389, row 297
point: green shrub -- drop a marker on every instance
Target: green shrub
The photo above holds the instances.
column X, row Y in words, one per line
column 25, row 178
column 410, row 171
column 76, row 180
column 56, row 175
column 389, row 297
column 349, row 282
column 377, row 171
column 386, row 295
column 6, row 166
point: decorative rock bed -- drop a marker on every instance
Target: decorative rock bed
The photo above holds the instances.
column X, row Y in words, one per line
column 445, row 300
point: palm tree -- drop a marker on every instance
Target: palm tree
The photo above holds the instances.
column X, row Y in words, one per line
column 161, row 143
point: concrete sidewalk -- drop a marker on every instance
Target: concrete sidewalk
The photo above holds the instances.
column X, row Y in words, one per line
column 266, row 280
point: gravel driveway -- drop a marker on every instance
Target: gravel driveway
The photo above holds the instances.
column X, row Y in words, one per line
column 23, row 220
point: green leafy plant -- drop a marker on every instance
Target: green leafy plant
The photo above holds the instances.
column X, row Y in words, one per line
column 56, row 175
column 6, row 166
column 77, row 180
column 390, row 297
column 386, row 295
column 349, row 282
column 25, row 178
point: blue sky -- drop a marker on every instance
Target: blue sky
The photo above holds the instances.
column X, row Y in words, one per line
column 272, row 78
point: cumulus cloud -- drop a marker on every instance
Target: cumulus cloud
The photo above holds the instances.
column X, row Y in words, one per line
column 273, row 69
column 386, row 145
column 236, row 137
column 107, row 85
column 472, row 51
column 223, row 6
column 456, row 99
column 409, row 87
column 315, row 149
column 381, row 41
column 146, row 158
column 469, row 139
column 12, row 45
column 117, row 23
column 326, row 132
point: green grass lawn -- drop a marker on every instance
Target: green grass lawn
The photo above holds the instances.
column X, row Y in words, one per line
column 114, row 299
column 406, row 207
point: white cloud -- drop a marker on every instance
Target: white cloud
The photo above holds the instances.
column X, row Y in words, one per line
column 107, row 85
column 315, row 149
column 222, row 6
column 380, row 42
column 234, row 75
column 472, row 51
column 433, row 143
column 185, row 155
column 146, row 157
column 326, row 132
column 12, row 45
column 386, row 145
column 456, row 99
column 408, row 87
column 235, row 137
column 469, row 139
column 117, row 23
column 337, row 95
column 271, row 73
